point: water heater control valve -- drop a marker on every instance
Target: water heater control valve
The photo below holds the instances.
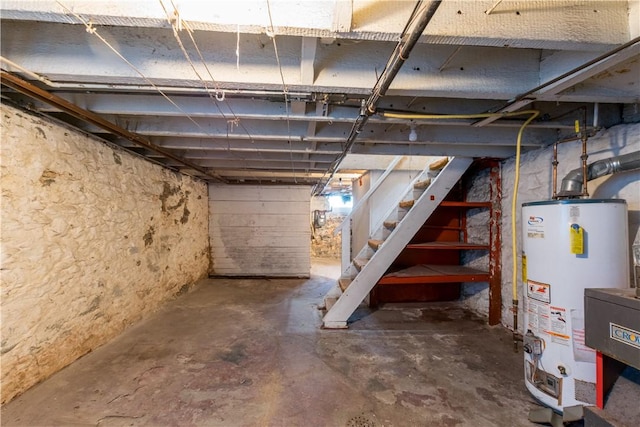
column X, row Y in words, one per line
column 533, row 344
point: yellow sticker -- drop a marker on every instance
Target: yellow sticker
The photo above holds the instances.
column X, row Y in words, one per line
column 577, row 126
column 524, row 268
column 576, row 239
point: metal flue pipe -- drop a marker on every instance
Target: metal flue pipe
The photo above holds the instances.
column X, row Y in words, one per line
column 572, row 183
column 420, row 18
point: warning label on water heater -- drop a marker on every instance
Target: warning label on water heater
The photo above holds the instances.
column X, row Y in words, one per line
column 558, row 325
column 538, row 316
column 539, row 291
column 538, row 307
column 558, row 320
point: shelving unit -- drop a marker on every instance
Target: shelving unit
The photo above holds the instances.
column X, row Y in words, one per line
column 429, row 268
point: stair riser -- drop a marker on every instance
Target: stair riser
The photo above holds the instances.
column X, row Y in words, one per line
column 365, row 253
column 350, row 272
column 379, row 234
column 329, row 302
column 402, row 212
column 417, row 193
column 386, row 233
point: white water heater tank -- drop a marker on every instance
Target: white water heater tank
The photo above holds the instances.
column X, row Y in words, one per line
column 568, row 246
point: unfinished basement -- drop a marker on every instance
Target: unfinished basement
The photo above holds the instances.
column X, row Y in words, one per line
column 320, row 213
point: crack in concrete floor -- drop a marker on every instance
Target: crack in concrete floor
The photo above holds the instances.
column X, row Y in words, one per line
column 252, row 353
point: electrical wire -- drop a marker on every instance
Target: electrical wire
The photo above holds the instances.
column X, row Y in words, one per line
column 230, row 123
column 92, row 30
column 272, row 34
column 176, row 27
column 206, row 66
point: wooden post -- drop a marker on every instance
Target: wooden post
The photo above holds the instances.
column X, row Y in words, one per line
column 495, row 245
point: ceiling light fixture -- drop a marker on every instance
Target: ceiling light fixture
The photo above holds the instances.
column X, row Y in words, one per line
column 413, row 136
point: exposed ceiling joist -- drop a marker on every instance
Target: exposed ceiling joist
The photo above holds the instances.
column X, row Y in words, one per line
column 552, row 87
column 307, row 58
column 331, row 53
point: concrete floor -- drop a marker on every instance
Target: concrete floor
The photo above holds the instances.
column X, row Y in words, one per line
column 251, row 353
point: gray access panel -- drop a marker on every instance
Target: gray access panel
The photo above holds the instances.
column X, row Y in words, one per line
column 612, row 323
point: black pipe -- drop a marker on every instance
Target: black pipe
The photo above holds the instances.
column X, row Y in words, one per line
column 572, row 183
column 401, row 54
column 395, row 62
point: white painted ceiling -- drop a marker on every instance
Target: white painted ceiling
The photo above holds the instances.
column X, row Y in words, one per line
column 268, row 90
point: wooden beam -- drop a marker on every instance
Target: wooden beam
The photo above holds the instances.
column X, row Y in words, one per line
column 96, row 120
column 342, row 16
column 495, row 245
column 307, row 59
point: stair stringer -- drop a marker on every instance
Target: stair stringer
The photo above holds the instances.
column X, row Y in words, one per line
column 337, row 316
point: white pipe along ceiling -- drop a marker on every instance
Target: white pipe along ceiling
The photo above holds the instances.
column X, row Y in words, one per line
column 271, row 91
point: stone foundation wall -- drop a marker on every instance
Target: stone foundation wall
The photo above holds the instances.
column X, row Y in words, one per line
column 476, row 295
column 324, row 243
column 92, row 239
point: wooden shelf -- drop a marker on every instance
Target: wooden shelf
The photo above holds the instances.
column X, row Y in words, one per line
column 428, row 269
column 468, row 205
column 442, row 227
column 426, row 273
column 448, row 245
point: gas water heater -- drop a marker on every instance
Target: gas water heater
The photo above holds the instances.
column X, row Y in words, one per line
column 568, row 245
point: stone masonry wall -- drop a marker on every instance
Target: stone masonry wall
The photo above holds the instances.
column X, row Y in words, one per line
column 92, row 239
column 475, row 295
column 535, row 185
column 324, row 243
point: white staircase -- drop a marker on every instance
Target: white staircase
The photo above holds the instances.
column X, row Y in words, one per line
column 403, row 221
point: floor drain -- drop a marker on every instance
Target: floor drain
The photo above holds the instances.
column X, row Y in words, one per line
column 360, row 421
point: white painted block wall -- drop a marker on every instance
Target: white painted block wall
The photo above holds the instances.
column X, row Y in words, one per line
column 260, row 230
column 92, row 239
column 360, row 219
column 535, row 184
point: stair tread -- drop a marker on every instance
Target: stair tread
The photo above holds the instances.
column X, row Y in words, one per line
column 359, row 263
column 420, row 185
column 390, row 224
column 439, row 164
column 462, row 204
column 375, row 244
column 344, row 283
column 406, row 204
